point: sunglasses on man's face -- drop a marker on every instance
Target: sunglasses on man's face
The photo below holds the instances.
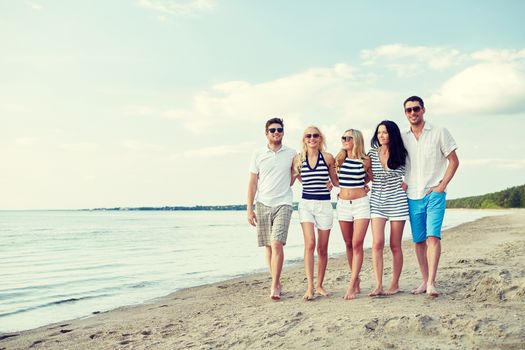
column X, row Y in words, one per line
column 346, row 138
column 310, row 136
column 273, row 130
column 410, row 109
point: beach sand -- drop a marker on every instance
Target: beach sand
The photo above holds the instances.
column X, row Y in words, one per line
column 482, row 305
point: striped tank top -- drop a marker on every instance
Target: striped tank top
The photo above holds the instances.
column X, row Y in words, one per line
column 352, row 173
column 314, row 179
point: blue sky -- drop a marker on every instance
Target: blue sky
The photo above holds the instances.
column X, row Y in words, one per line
column 144, row 102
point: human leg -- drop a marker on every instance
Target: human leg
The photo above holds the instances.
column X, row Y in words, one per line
column 433, row 255
column 347, row 230
column 309, row 247
column 396, row 236
column 418, row 218
column 378, row 244
column 322, row 261
column 421, row 254
column 435, row 215
column 281, row 222
column 276, row 267
column 360, row 227
column 268, row 256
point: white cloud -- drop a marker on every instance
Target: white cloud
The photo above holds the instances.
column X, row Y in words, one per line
column 140, row 146
column 34, row 6
column 319, row 93
column 79, row 147
column 140, row 110
column 27, row 141
column 219, row 150
column 493, row 55
column 178, row 7
column 485, row 88
column 409, row 60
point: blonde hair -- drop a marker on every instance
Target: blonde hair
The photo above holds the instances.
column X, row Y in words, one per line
column 358, row 151
column 302, row 155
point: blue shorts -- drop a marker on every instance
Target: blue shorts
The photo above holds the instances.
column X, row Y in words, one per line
column 426, row 216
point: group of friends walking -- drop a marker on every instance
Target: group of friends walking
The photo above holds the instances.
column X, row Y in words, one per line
column 408, row 171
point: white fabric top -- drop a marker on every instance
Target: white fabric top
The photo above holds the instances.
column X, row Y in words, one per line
column 274, row 170
column 427, row 158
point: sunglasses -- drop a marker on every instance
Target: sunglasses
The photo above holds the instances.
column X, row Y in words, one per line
column 346, row 138
column 410, row 109
column 273, row 130
column 310, row 136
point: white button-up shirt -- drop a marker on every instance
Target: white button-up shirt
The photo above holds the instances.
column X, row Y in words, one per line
column 274, row 170
column 427, row 158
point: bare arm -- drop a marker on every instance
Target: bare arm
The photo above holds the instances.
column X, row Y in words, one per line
column 453, row 164
column 252, row 189
column 295, row 173
column 330, row 163
column 367, row 164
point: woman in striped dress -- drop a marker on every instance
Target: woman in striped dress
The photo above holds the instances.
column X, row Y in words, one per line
column 353, row 206
column 388, row 201
column 314, row 167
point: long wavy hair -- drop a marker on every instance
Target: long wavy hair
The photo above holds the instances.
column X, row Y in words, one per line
column 396, row 147
column 358, row 151
column 302, row 155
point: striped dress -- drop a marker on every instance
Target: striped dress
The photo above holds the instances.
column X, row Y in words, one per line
column 314, row 179
column 387, row 198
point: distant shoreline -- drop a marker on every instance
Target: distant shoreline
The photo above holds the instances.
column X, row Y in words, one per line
column 176, row 208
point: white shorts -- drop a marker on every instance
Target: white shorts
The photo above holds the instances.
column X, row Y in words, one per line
column 319, row 212
column 350, row 210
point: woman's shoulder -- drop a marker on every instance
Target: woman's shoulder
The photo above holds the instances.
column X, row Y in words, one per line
column 373, row 151
column 328, row 156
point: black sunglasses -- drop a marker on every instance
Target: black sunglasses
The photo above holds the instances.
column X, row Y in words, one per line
column 346, row 138
column 309, row 136
column 410, row 109
column 273, row 130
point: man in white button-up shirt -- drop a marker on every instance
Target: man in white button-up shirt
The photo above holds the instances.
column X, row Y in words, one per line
column 271, row 178
column 431, row 164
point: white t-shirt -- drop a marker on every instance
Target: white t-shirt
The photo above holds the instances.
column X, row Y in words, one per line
column 274, row 170
column 427, row 158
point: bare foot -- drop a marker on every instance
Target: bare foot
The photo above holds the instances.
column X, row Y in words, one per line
column 392, row 291
column 350, row 294
column 358, row 286
column 376, row 292
column 419, row 290
column 275, row 293
column 432, row 291
column 322, row 291
column 309, row 295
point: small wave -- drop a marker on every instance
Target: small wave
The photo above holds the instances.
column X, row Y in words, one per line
column 53, row 303
column 197, row 272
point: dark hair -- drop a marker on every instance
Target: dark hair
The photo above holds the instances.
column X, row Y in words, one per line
column 415, row 99
column 396, row 148
column 273, row 121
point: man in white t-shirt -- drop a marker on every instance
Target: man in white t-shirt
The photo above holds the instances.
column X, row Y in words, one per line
column 431, row 164
column 271, row 178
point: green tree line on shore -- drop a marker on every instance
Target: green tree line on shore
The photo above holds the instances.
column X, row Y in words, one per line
column 513, row 197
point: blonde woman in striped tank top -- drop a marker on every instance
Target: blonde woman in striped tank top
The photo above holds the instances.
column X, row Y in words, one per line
column 315, row 169
column 353, row 206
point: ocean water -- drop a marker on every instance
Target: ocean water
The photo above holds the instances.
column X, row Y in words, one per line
column 59, row 265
